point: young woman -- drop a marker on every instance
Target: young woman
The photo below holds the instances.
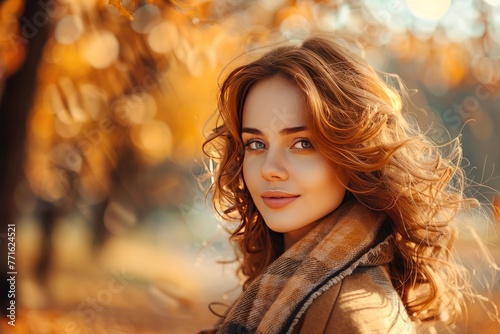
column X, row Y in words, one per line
column 344, row 209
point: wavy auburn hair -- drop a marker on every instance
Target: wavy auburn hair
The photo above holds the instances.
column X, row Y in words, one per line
column 355, row 120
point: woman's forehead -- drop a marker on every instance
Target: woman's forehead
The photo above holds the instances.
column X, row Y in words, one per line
column 274, row 103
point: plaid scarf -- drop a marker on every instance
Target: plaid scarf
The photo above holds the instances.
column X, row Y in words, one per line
column 349, row 237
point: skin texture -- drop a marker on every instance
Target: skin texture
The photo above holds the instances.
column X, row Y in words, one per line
column 280, row 161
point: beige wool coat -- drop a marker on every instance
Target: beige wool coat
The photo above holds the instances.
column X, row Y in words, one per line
column 363, row 302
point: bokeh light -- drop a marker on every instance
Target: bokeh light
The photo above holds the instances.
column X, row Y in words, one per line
column 100, row 49
column 153, row 138
column 163, row 38
column 493, row 2
column 69, row 29
column 429, row 9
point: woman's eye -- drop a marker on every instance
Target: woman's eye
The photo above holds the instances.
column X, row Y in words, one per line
column 302, row 144
column 253, row 145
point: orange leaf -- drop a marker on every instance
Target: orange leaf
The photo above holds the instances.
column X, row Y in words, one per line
column 122, row 10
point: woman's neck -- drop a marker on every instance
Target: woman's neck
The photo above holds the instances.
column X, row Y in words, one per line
column 290, row 238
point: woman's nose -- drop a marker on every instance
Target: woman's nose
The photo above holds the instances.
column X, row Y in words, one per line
column 274, row 166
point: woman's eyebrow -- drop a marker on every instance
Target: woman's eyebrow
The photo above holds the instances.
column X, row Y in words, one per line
column 283, row 132
column 289, row 131
column 252, row 131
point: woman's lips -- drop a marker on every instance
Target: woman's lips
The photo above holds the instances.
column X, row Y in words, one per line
column 278, row 199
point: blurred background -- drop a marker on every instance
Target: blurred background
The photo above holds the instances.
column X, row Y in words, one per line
column 103, row 107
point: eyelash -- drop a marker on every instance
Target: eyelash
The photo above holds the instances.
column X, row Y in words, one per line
column 252, row 141
column 304, row 141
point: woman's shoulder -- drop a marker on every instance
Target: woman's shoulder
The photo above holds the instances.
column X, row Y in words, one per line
column 364, row 301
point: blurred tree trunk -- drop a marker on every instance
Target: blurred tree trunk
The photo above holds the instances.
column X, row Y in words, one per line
column 15, row 104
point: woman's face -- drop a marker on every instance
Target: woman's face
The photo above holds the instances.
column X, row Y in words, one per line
column 290, row 182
